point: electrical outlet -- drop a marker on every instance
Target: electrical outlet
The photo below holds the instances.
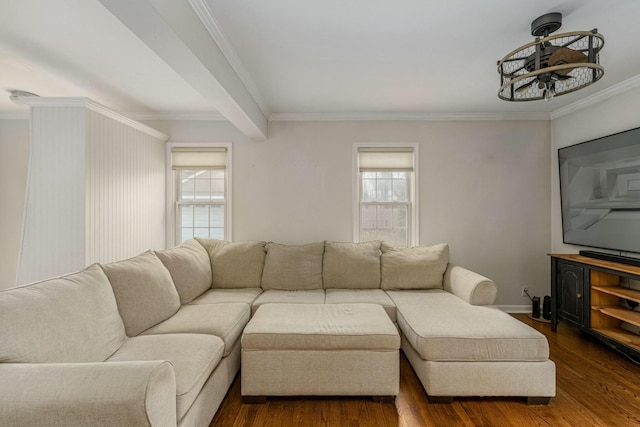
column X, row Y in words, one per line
column 525, row 289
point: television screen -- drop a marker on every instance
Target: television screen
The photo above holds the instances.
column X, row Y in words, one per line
column 600, row 192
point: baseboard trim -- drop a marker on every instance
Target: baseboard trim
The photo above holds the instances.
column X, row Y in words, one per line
column 515, row 308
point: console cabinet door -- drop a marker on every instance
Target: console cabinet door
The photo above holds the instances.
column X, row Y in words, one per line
column 571, row 292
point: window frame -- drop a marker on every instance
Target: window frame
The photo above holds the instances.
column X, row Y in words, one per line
column 172, row 190
column 412, row 190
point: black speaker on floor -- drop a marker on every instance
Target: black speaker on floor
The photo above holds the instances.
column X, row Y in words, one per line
column 535, row 312
column 546, row 308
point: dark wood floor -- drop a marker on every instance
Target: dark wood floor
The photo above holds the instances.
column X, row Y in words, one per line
column 595, row 387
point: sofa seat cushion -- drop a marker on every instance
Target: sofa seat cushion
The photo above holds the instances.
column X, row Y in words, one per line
column 290, row 267
column 351, row 265
column 144, row 291
column 220, row 296
column 441, row 327
column 194, row 357
column 322, row 327
column 271, row 296
column 367, row 296
column 235, row 264
column 419, row 267
column 225, row 321
column 68, row 319
column 190, row 269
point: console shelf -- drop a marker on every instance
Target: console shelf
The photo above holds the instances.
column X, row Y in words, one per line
column 625, row 337
column 619, row 291
column 596, row 295
column 623, row 314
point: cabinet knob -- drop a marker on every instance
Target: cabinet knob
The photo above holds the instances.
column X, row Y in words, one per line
column 579, row 296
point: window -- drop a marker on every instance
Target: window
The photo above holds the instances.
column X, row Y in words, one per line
column 385, row 188
column 200, row 196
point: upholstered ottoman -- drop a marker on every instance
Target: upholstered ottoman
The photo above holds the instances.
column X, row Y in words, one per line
column 320, row 350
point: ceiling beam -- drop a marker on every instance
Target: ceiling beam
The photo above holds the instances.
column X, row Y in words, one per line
column 172, row 29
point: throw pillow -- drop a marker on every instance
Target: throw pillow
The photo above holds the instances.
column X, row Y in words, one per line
column 289, row 267
column 68, row 319
column 235, row 264
column 419, row 267
column 190, row 269
column 144, row 291
column 351, row 265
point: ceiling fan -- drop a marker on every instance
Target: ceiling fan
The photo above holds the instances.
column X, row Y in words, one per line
column 551, row 65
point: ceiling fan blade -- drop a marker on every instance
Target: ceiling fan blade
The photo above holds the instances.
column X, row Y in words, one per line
column 516, row 72
column 564, row 55
column 562, row 77
column 525, row 86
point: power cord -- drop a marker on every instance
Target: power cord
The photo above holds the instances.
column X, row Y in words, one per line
column 527, row 293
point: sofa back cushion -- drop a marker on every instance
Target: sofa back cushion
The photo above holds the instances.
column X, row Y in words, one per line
column 289, row 267
column 144, row 291
column 235, row 264
column 420, row 267
column 190, row 269
column 351, row 265
column 69, row 319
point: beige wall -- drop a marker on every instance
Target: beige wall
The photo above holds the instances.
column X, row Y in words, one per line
column 484, row 185
column 14, row 159
column 612, row 115
column 484, row 188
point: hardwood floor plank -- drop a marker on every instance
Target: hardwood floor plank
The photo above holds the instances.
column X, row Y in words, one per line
column 579, row 417
column 595, row 385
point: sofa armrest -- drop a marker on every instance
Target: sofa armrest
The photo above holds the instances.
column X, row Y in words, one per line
column 88, row 394
column 469, row 286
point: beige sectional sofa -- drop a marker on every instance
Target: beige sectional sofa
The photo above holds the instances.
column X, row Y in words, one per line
column 156, row 339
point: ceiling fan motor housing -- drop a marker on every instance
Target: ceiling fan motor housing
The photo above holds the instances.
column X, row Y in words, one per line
column 546, row 24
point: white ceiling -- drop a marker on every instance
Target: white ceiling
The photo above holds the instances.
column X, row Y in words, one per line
column 76, row 48
column 248, row 61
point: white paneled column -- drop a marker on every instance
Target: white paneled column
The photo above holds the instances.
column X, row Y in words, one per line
column 96, row 188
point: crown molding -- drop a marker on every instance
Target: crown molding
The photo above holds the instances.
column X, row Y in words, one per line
column 311, row 117
column 320, row 117
column 220, row 38
column 94, row 106
column 142, row 116
column 598, row 97
column 217, row 117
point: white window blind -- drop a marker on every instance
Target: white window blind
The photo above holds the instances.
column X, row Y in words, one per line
column 214, row 157
column 385, row 159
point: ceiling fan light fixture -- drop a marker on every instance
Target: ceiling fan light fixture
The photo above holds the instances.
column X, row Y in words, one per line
column 551, row 65
column 548, row 93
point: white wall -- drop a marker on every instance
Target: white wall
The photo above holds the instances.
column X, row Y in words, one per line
column 610, row 116
column 54, row 227
column 125, row 190
column 14, row 159
column 95, row 192
column 484, row 188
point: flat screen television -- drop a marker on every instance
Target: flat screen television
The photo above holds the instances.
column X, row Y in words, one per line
column 600, row 192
